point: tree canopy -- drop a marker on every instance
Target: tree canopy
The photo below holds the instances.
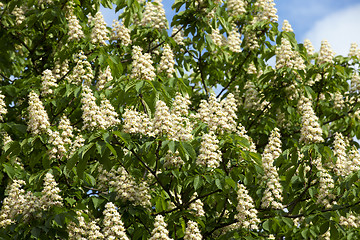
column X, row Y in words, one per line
column 216, row 124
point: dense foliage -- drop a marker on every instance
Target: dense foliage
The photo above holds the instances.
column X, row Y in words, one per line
column 139, row 132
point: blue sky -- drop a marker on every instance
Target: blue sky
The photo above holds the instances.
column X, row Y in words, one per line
column 338, row 21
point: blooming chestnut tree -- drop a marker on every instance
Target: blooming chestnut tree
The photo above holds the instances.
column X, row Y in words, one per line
column 178, row 128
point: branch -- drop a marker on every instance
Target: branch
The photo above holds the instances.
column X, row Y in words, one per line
column 156, row 177
column 161, row 43
column 202, row 74
column 235, row 75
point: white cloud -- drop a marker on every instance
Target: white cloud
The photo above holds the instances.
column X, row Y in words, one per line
column 340, row 29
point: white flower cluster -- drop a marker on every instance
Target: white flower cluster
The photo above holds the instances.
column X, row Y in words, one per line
column 253, row 97
column 354, row 51
column 113, row 226
column 343, row 162
column 311, row 131
column 234, row 40
column 20, row 203
column 339, row 102
column 160, row 232
column 309, row 47
column 241, row 131
column 82, row 72
column 209, row 153
column 142, row 68
column 286, row 27
column 125, row 186
column 167, row 61
column 14, row 204
column 252, row 69
column 84, row 230
column 58, row 150
column 50, row 194
column 355, row 82
column 354, row 157
column 173, row 160
column 48, row 82
column 326, row 235
column 251, row 40
column 267, row 11
column 154, row 15
column 3, row 109
column 99, row 33
column 197, row 206
column 19, row 14
column 216, row 37
column 273, row 193
column 236, row 7
column 219, row 116
column 192, row 231
column 75, row 29
column 6, row 138
column 66, row 130
column 38, row 118
column 137, row 122
column 350, row 221
column 326, row 54
column 179, row 36
column 77, row 143
column 121, row 33
column 246, row 212
column 175, row 123
column 61, row 69
column 286, row 57
column 110, row 116
column 94, row 116
column 326, row 185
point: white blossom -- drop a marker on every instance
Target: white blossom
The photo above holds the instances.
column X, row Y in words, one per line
column 154, row 15
column 178, row 36
column 246, row 212
column 142, row 68
column 67, row 130
column 286, row 27
column 50, row 194
column 3, row 109
column 82, row 72
column 192, row 231
column 48, row 82
column 19, row 14
column 272, row 196
column 58, row 149
column 120, row 33
column 326, row 54
column 311, row 131
column 125, row 186
column 104, row 77
column 197, row 206
column 236, row 7
column 167, row 61
column 75, row 29
column 38, row 118
column 234, row 40
column 99, row 33
column 113, row 226
column 209, row 153
column 160, row 232
column 326, row 186
column 309, row 47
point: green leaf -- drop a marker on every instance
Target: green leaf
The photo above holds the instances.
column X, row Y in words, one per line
column 197, row 182
column 218, row 183
column 229, row 181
